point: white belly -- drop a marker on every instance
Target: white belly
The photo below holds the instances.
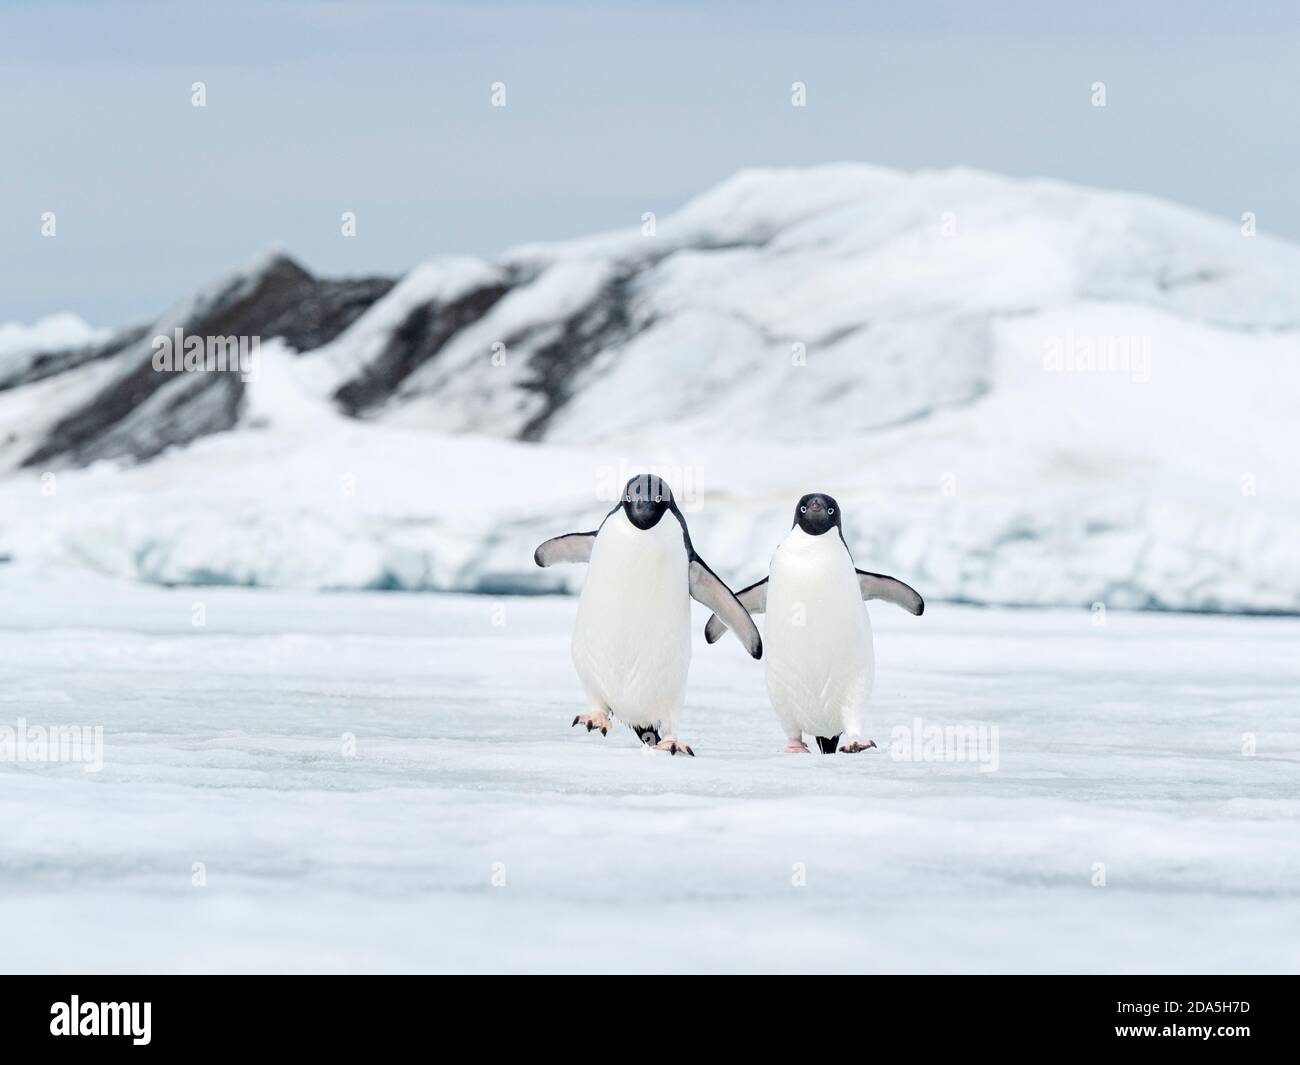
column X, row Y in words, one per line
column 632, row 640
column 817, row 637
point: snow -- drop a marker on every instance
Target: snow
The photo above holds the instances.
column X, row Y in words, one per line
column 28, row 413
column 52, row 333
column 1120, row 743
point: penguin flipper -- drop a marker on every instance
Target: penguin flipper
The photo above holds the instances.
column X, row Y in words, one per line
column 891, row 590
column 707, row 588
column 571, row 547
column 753, row 599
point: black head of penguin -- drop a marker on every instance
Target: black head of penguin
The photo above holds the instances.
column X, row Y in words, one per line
column 817, row 513
column 646, row 498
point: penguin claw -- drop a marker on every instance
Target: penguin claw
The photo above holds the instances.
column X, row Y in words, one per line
column 672, row 746
column 854, row 746
column 594, row 721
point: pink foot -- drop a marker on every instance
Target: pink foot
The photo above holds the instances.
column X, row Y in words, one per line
column 594, row 721
column 852, row 745
column 796, row 747
column 673, row 746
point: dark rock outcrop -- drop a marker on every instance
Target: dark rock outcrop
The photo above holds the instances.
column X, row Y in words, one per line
column 554, row 366
column 142, row 411
column 417, row 340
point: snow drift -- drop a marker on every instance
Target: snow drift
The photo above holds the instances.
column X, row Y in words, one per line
column 1022, row 392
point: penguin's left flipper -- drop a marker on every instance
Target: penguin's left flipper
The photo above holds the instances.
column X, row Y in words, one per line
column 571, row 547
column 707, row 588
column 891, row 590
column 753, row 599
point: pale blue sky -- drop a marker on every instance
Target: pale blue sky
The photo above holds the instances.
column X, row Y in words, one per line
column 383, row 109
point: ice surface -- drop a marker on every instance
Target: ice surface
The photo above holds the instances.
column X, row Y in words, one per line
column 1119, row 744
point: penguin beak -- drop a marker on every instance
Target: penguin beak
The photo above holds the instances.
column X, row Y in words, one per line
column 815, row 506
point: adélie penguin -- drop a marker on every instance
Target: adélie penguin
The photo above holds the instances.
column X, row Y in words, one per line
column 632, row 638
column 820, row 662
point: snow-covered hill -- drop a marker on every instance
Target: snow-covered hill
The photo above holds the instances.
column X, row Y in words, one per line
column 1021, row 392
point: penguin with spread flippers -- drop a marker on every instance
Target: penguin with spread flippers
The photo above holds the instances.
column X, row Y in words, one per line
column 632, row 638
column 819, row 658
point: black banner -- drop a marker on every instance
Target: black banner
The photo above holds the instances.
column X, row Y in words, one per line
column 146, row 1014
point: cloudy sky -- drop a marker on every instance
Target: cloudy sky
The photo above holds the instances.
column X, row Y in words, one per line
column 384, row 109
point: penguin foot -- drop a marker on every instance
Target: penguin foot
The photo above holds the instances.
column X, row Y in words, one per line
column 594, row 721
column 673, row 746
column 853, row 745
column 796, row 747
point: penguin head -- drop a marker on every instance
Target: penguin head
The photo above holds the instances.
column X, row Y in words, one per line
column 645, row 500
column 817, row 513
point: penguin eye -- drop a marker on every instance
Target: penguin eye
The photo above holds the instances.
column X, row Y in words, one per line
column 659, row 499
column 803, row 510
column 831, row 510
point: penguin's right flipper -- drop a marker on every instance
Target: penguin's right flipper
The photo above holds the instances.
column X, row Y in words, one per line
column 753, row 599
column 571, row 547
column 707, row 588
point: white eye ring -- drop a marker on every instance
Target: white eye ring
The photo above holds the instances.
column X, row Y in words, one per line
column 831, row 510
column 803, row 510
column 658, row 499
